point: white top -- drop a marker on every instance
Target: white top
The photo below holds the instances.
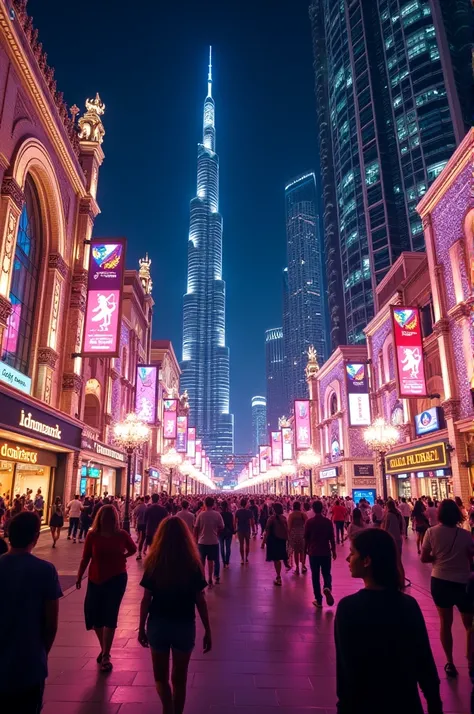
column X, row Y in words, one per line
column 353, row 530
column 451, row 548
column 432, row 515
column 404, row 509
column 74, row 508
column 208, row 526
column 187, row 517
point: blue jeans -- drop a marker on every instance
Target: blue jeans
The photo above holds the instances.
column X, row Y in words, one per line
column 225, row 542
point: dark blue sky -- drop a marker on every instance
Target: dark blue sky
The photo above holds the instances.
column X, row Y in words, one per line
column 148, row 61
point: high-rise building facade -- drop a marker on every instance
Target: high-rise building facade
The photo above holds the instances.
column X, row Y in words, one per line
column 259, row 423
column 277, row 401
column 205, row 360
column 305, row 320
column 389, row 117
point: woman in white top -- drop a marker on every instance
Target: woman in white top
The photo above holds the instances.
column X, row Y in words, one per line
column 432, row 513
column 357, row 524
column 450, row 548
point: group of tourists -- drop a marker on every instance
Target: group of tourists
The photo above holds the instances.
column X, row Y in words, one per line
column 187, row 540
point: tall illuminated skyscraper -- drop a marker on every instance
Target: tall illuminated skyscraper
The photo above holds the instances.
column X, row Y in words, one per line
column 259, row 423
column 205, row 361
column 277, row 401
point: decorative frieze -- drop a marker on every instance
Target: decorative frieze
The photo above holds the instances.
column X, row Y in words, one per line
column 11, row 189
column 451, row 408
column 441, row 327
column 48, row 356
column 5, row 310
column 57, row 262
column 72, row 383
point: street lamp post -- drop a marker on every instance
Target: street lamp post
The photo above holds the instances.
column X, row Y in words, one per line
column 308, row 459
column 287, row 469
column 186, row 469
column 130, row 435
column 381, row 437
column 172, row 460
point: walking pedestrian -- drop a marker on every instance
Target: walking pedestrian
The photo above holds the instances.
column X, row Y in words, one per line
column 73, row 510
column 405, row 510
column 450, row 549
column 357, row 524
column 85, row 519
column 154, row 514
column 296, row 524
column 185, row 515
column 374, row 558
column 209, row 525
column 225, row 537
column 39, row 504
column 244, row 523
column 420, row 522
column 377, row 513
column 431, row 513
column 174, row 585
column 254, row 508
column 106, row 549
column 56, row 521
column 140, row 525
column 393, row 523
column 29, row 597
column 276, row 541
column 263, row 518
column 339, row 514
column 320, row 546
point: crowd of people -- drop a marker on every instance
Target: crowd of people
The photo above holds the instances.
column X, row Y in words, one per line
column 186, row 540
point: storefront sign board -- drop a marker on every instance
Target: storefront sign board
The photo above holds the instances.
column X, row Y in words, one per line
column 14, row 378
column 429, row 457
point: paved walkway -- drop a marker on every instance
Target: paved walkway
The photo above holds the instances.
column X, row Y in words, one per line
column 272, row 654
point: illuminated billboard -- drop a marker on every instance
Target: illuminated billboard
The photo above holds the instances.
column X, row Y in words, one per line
column 408, row 341
column 104, row 298
column 358, row 394
column 287, row 442
column 264, row 455
column 276, row 445
column 170, row 418
column 181, row 434
column 191, row 446
column 302, row 424
column 146, row 393
column 198, row 453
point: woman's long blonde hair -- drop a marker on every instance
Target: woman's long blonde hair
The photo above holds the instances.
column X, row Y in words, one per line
column 106, row 516
column 173, row 558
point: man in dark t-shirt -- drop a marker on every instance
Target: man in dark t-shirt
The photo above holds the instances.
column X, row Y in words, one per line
column 153, row 516
column 245, row 521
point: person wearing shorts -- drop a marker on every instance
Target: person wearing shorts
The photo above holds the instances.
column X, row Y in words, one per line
column 450, row 549
column 207, row 529
column 139, row 515
column 244, row 519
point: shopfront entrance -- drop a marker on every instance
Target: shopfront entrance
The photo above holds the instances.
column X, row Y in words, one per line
column 102, row 468
column 329, row 486
column 425, row 469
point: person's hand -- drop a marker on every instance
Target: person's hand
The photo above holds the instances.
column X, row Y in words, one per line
column 207, row 643
column 78, row 584
column 142, row 638
column 334, row 555
column 262, row 546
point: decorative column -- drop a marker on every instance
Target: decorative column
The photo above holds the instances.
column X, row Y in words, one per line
column 11, row 204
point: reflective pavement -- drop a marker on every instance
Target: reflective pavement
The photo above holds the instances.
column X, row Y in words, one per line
column 273, row 653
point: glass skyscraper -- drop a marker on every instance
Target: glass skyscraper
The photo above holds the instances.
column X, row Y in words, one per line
column 305, row 318
column 259, row 423
column 277, row 401
column 389, row 118
column 205, row 360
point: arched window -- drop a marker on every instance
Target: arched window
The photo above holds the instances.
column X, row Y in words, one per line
column 16, row 348
column 92, row 411
column 333, row 404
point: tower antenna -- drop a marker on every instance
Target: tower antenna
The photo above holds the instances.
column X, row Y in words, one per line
column 209, row 75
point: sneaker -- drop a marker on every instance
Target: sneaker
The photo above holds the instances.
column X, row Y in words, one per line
column 217, row 579
column 74, row 540
column 210, row 583
column 318, row 604
column 329, row 598
column 139, row 557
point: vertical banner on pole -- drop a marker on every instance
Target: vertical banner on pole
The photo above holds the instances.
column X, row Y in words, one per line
column 302, row 424
column 170, row 416
column 198, row 453
column 357, row 383
column 181, row 434
column 146, row 393
column 408, row 342
column 277, row 456
column 191, row 448
column 264, row 458
column 287, row 443
column 104, row 298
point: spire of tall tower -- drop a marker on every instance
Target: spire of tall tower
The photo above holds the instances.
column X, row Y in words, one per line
column 209, row 74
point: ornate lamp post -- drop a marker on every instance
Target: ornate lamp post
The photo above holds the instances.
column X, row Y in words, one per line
column 287, row 469
column 186, row 469
column 307, row 460
column 381, row 437
column 130, row 435
column 172, row 460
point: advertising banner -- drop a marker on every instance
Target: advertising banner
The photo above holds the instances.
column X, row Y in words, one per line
column 302, row 424
column 198, row 453
column 104, row 298
column 170, row 417
column 181, row 434
column 364, row 470
column 264, row 453
column 329, row 473
column 191, row 446
column 255, row 466
column 277, row 455
column 428, row 456
column 287, row 443
column 146, row 393
column 429, row 420
column 358, row 393
column 250, row 469
column 408, row 341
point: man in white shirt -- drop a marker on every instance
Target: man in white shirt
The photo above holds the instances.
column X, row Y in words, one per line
column 74, row 509
column 186, row 515
column 405, row 510
column 209, row 524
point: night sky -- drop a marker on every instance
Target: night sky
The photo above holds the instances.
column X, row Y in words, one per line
column 148, row 61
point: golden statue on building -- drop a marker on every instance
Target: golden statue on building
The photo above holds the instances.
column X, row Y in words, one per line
column 90, row 125
column 312, row 368
column 145, row 275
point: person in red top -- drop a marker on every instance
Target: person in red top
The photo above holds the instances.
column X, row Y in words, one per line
column 339, row 514
column 106, row 549
column 319, row 542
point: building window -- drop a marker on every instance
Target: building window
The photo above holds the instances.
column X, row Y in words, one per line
column 372, row 173
column 17, row 340
column 435, row 169
column 333, row 404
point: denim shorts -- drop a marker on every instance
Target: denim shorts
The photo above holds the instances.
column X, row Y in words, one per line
column 165, row 635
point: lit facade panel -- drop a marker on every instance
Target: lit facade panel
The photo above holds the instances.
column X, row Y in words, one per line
column 205, row 355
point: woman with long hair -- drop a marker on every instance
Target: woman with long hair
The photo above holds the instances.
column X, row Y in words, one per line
column 393, row 523
column 56, row 521
column 357, row 524
column 375, row 559
column 106, row 548
column 173, row 584
column 420, row 522
column 296, row 524
column 276, row 540
column 451, row 550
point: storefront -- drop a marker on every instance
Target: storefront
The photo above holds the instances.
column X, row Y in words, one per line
column 329, row 481
column 102, row 468
column 423, row 470
column 35, row 445
column 363, row 476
